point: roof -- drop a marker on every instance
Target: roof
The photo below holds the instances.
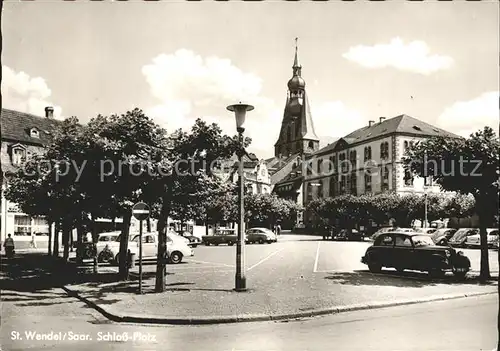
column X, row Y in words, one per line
column 326, row 149
column 292, row 176
column 400, row 124
column 16, row 126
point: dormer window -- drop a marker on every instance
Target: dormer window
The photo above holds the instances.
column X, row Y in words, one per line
column 34, row 133
column 18, row 155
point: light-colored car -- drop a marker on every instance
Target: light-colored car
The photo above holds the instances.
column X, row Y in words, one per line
column 260, row 235
column 109, row 236
column 474, row 241
column 109, row 250
column 177, row 248
column 460, row 237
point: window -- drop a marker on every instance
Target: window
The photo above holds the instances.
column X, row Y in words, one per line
column 320, row 163
column 320, row 189
column 309, row 191
column 343, row 163
column 34, row 133
column 354, row 184
column 22, row 225
column 366, row 157
column 368, row 183
column 386, row 240
column 385, row 179
column 384, row 150
column 309, row 168
column 352, row 158
column 40, row 226
column 403, row 241
column 343, row 184
column 408, row 178
column 311, row 145
column 334, row 181
column 18, row 155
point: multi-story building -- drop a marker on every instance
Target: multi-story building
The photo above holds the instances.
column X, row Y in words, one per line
column 23, row 135
column 369, row 161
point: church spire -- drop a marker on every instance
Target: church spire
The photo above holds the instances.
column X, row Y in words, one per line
column 296, row 65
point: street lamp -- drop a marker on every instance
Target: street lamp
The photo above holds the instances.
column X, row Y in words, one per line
column 240, row 111
column 425, row 206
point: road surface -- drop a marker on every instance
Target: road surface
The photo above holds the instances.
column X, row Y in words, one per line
column 464, row 324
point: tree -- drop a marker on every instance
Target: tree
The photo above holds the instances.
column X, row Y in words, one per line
column 186, row 168
column 467, row 166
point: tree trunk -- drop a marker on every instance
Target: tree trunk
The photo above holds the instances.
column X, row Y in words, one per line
column 498, row 321
column 57, row 229
column 79, row 241
column 49, row 246
column 484, row 274
column 123, row 266
column 66, row 235
column 148, row 225
column 206, row 224
column 162, row 243
column 94, row 242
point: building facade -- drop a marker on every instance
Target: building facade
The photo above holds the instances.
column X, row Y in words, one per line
column 23, row 135
column 369, row 161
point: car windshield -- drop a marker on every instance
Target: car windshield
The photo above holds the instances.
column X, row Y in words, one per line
column 422, row 240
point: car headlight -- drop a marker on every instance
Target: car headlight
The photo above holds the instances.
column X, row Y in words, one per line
column 448, row 253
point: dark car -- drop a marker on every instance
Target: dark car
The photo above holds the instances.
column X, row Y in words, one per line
column 414, row 252
column 443, row 235
column 348, row 235
column 260, row 235
column 194, row 241
column 460, row 237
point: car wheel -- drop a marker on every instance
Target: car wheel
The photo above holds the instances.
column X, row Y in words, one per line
column 104, row 257
column 176, row 257
column 117, row 259
column 436, row 273
column 459, row 275
column 261, row 241
column 374, row 268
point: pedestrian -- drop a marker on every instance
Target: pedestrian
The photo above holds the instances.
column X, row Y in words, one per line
column 278, row 229
column 9, row 246
column 33, row 240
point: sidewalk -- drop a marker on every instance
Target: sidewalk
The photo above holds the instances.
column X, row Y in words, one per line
column 208, row 298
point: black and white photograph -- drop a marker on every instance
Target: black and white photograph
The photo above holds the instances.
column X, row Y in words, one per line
column 250, row 175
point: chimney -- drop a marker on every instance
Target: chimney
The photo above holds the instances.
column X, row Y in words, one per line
column 370, row 123
column 382, row 119
column 49, row 112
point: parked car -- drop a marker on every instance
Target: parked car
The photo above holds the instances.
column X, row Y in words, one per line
column 390, row 229
column 177, row 247
column 474, row 241
column 109, row 251
column 427, row 231
column 443, row 235
column 348, row 234
column 194, row 241
column 221, row 236
column 414, row 251
column 109, row 236
column 260, row 235
column 460, row 237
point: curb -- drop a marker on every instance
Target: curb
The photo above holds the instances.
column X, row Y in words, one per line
column 200, row 320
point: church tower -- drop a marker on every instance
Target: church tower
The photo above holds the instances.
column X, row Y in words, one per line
column 297, row 135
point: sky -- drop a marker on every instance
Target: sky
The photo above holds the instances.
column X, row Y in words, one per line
column 178, row 61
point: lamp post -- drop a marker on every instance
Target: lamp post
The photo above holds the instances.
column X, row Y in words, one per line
column 240, row 111
column 425, row 207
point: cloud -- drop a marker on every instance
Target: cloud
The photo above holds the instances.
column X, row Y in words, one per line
column 189, row 86
column 26, row 94
column 333, row 119
column 466, row 117
column 413, row 57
